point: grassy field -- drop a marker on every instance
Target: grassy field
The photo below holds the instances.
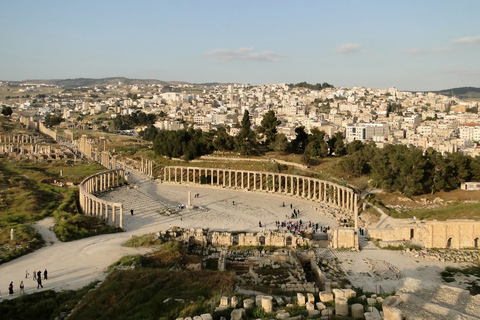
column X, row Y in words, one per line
column 28, row 194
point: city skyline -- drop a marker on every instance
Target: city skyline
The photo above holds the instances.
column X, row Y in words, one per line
column 427, row 45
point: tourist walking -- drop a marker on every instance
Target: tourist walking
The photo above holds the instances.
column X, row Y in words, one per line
column 131, row 212
column 26, row 274
column 39, row 275
column 39, row 283
column 45, row 274
column 34, row 275
column 22, row 286
column 10, row 288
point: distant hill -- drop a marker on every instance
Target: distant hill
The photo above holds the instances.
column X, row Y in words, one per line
column 461, row 93
column 90, row 82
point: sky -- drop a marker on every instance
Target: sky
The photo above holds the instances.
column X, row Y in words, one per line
column 411, row 45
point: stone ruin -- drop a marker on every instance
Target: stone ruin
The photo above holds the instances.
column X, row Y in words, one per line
column 205, row 237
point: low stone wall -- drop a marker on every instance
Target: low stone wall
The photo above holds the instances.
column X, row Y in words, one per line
column 270, row 238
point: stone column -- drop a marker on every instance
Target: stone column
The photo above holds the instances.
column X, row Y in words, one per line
column 121, row 216
column 297, row 192
column 355, row 211
column 114, row 213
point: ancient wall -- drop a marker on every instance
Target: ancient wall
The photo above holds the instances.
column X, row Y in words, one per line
column 455, row 234
column 49, row 132
column 343, row 238
column 268, row 238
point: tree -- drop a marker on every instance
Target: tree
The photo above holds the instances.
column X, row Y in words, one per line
column 7, row 111
column 301, row 140
column 53, row 120
column 222, row 140
column 281, row 143
column 317, row 146
column 246, row 140
column 337, row 145
column 268, row 127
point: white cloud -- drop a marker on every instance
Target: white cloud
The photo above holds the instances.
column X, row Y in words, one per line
column 441, row 49
column 349, row 47
column 415, row 51
column 243, row 54
column 468, row 40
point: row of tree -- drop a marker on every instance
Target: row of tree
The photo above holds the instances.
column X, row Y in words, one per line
column 127, row 122
column 409, row 169
column 318, row 86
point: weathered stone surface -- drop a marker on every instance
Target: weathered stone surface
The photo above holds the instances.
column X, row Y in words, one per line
column 310, row 298
column 341, row 306
column 206, row 316
column 280, row 301
column 357, row 310
column 325, row 296
column 237, row 314
column 309, row 306
column 300, row 299
column 320, row 306
column 283, row 315
column 392, row 313
column 327, row 312
column 248, row 304
column 267, row 303
column 349, row 293
column 338, row 293
column 234, row 302
column 312, row 314
column 258, row 300
column 224, row 301
column 197, row 318
column 371, row 301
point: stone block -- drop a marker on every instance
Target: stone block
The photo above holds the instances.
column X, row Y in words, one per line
column 248, row 304
column 341, row 306
column 325, row 296
column 290, row 305
column 188, row 318
column 279, row 301
column 237, row 314
column 224, row 301
column 313, row 314
column 379, row 299
column 234, row 302
column 310, row 298
column 320, row 306
column 283, row 315
column 338, row 293
column 267, row 303
column 179, row 319
column 357, row 310
column 371, row 301
column 197, row 318
column 300, row 299
column 206, row 316
column 392, row 313
column 258, row 300
column 309, row 306
column 349, row 293
column 327, row 312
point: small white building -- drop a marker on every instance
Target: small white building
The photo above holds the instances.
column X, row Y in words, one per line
column 470, row 186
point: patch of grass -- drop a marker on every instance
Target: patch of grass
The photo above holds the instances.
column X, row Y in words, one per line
column 154, row 294
column 43, row 305
column 146, row 240
column 457, row 211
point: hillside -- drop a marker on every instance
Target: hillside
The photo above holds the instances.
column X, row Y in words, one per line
column 463, row 93
column 90, row 82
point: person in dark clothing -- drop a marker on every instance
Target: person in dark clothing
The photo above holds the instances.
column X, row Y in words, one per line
column 39, row 282
column 10, row 288
column 39, row 274
column 131, row 212
column 45, row 274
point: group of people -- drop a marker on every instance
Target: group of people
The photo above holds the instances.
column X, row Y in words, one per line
column 37, row 276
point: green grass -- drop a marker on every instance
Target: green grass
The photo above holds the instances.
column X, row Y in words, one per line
column 152, row 293
column 43, row 305
column 457, row 211
column 146, row 240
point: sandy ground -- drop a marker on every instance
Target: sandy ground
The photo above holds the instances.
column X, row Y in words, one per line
column 73, row 265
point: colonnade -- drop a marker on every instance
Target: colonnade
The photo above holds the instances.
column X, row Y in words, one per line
column 304, row 187
column 19, row 138
column 102, row 209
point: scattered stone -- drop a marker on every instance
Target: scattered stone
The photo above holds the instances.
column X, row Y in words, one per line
column 300, row 299
column 320, row 306
column 310, row 306
column 237, row 314
column 234, row 302
column 357, row 310
column 224, row 302
column 312, row 314
column 267, row 303
column 341, row 306
column 206, row 316
column 248, row 304
column 310, row 298
column 325, row 296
